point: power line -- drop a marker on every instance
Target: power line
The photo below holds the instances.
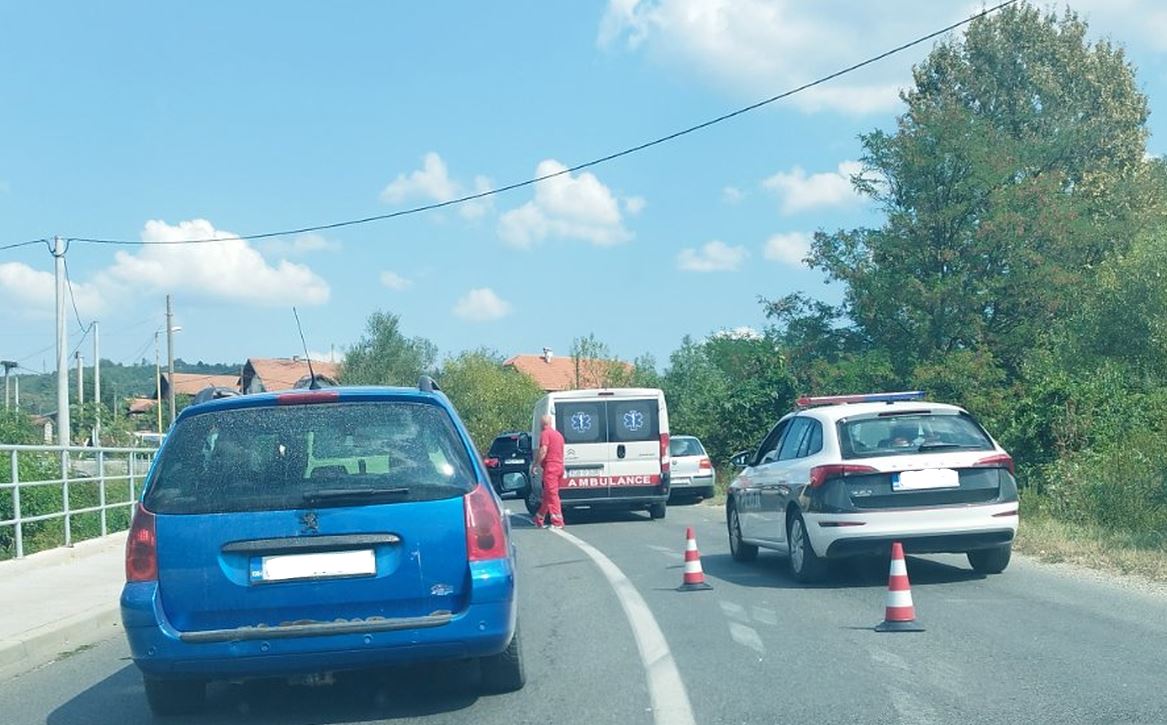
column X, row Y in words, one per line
column 23, row 244
column 72, row 299
column 578, row 167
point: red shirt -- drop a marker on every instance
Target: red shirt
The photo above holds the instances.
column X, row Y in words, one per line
column 553, row 441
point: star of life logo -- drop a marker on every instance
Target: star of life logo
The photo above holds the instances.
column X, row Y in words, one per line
column 581, row 422
column 634, row 420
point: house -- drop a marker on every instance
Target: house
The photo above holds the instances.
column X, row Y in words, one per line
column 268, row 374
column 192, row 383
column 552, row 373
column 140, row 406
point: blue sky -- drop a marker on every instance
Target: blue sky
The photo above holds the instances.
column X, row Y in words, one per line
column 162, row 122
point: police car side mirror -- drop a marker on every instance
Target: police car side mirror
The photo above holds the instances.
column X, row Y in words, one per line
column 740, row 459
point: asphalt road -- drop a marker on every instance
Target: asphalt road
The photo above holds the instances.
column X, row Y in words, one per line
column 1032, row 645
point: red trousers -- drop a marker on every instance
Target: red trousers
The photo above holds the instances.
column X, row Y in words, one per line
column 550, row 503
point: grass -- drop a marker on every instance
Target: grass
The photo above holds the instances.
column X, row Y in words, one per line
column 1051, row 540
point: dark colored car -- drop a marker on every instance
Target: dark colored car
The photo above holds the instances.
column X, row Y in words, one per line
column 284, row 534
column 509, row 463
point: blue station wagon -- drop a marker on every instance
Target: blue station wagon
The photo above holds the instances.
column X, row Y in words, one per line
column 314, row 531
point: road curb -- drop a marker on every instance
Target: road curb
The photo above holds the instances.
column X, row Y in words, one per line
column 45, row 644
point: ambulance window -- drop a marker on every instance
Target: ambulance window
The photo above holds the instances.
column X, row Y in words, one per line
column 581, row 422
column 632, row 421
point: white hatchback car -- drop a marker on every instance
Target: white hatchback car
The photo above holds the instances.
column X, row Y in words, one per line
column 692, row 470
column 847, row 475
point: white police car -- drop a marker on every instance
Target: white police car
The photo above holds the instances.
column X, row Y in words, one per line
column 845, row 476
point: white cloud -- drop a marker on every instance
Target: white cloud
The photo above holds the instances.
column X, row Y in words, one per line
column 633, row 205
column 715, row 256
column 232, row 271
column 757, row 48
column 431, row 182
column 569, row 207
column 744, row 332
column 299, row 246
column 790, row 248
column 33, row 293
column 799, row 191
column 482, row 305
column 732, row 195
column 395, row 282
column 479, row 207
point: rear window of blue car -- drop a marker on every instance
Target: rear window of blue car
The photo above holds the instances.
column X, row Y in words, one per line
column 288, row 457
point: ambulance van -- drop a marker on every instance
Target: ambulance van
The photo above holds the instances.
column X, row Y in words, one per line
column 616, row 448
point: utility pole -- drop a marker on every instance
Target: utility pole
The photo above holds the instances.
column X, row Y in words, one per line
column 96, row 387
column 170, row 357
column 80, row 378
column 157, row 382
column 63, row 433
column 16, row 384
column 8, row 365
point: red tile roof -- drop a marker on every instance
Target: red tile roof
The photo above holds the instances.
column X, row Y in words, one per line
column 559, row 373
column 192, row 383
column 284, row 373
column 137, row 406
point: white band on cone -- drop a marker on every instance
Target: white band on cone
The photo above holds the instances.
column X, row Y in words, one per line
column 899, row 599
column 899, row 567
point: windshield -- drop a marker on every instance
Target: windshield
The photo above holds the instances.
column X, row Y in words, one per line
column 257, row 459
column 893, row 435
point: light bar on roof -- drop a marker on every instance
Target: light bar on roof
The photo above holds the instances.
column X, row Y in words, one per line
column 807, row 401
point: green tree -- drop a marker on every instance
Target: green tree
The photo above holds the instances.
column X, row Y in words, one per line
column 489, row 398
column 385, row 356
column 1015, row 170
column 595, row 366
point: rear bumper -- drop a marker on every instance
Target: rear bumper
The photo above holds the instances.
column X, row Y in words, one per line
column 615, row 502
column 682, row 484
column 484, row 628
column 925, row 531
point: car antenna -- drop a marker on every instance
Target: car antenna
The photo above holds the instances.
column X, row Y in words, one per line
column 313, row 384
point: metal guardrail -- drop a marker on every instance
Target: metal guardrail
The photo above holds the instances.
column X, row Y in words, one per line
column 65, row 483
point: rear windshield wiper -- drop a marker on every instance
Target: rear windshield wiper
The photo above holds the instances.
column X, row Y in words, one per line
column 355, row 494
column 946, row 446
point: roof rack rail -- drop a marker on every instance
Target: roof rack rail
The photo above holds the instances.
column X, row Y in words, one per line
column 807, row 401
column 426, row 384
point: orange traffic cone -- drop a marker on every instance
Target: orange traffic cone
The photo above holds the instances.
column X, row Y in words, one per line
column 900, row 614
column 694, row 578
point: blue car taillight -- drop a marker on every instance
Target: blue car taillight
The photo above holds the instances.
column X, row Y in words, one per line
column 142, row 548
column 485, row 537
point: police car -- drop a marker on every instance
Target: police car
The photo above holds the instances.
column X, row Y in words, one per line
column 845, row 476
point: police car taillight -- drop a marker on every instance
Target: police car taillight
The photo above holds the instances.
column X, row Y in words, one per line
column 820, row 474
column 665, row 463
column 485, row 537
column 1000, row 460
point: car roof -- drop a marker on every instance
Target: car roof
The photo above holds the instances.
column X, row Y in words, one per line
column 834, row 413
column 341, row 394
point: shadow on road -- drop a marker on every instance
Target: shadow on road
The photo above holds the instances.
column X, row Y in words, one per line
column 386, row 694
column 584, row 517
column 773, row 572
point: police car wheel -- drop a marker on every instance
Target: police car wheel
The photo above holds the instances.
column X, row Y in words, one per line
column 740, row 550
column 806, row 565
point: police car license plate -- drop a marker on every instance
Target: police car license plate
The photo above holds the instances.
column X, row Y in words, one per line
column 319, row 565
column 926, row 479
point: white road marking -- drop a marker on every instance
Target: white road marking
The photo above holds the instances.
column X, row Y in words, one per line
column 670, row 701
column 734, row 611
column 746, row 637
column 765, row 616
column 911, row 709
column 667, row 552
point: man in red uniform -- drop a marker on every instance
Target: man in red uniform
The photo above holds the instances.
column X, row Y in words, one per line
column 550, row 459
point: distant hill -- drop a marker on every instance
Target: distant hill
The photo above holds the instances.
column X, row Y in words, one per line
column 38, row 393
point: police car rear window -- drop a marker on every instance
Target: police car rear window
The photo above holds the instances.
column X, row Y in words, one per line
column 917, row 432
column 274, row 458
